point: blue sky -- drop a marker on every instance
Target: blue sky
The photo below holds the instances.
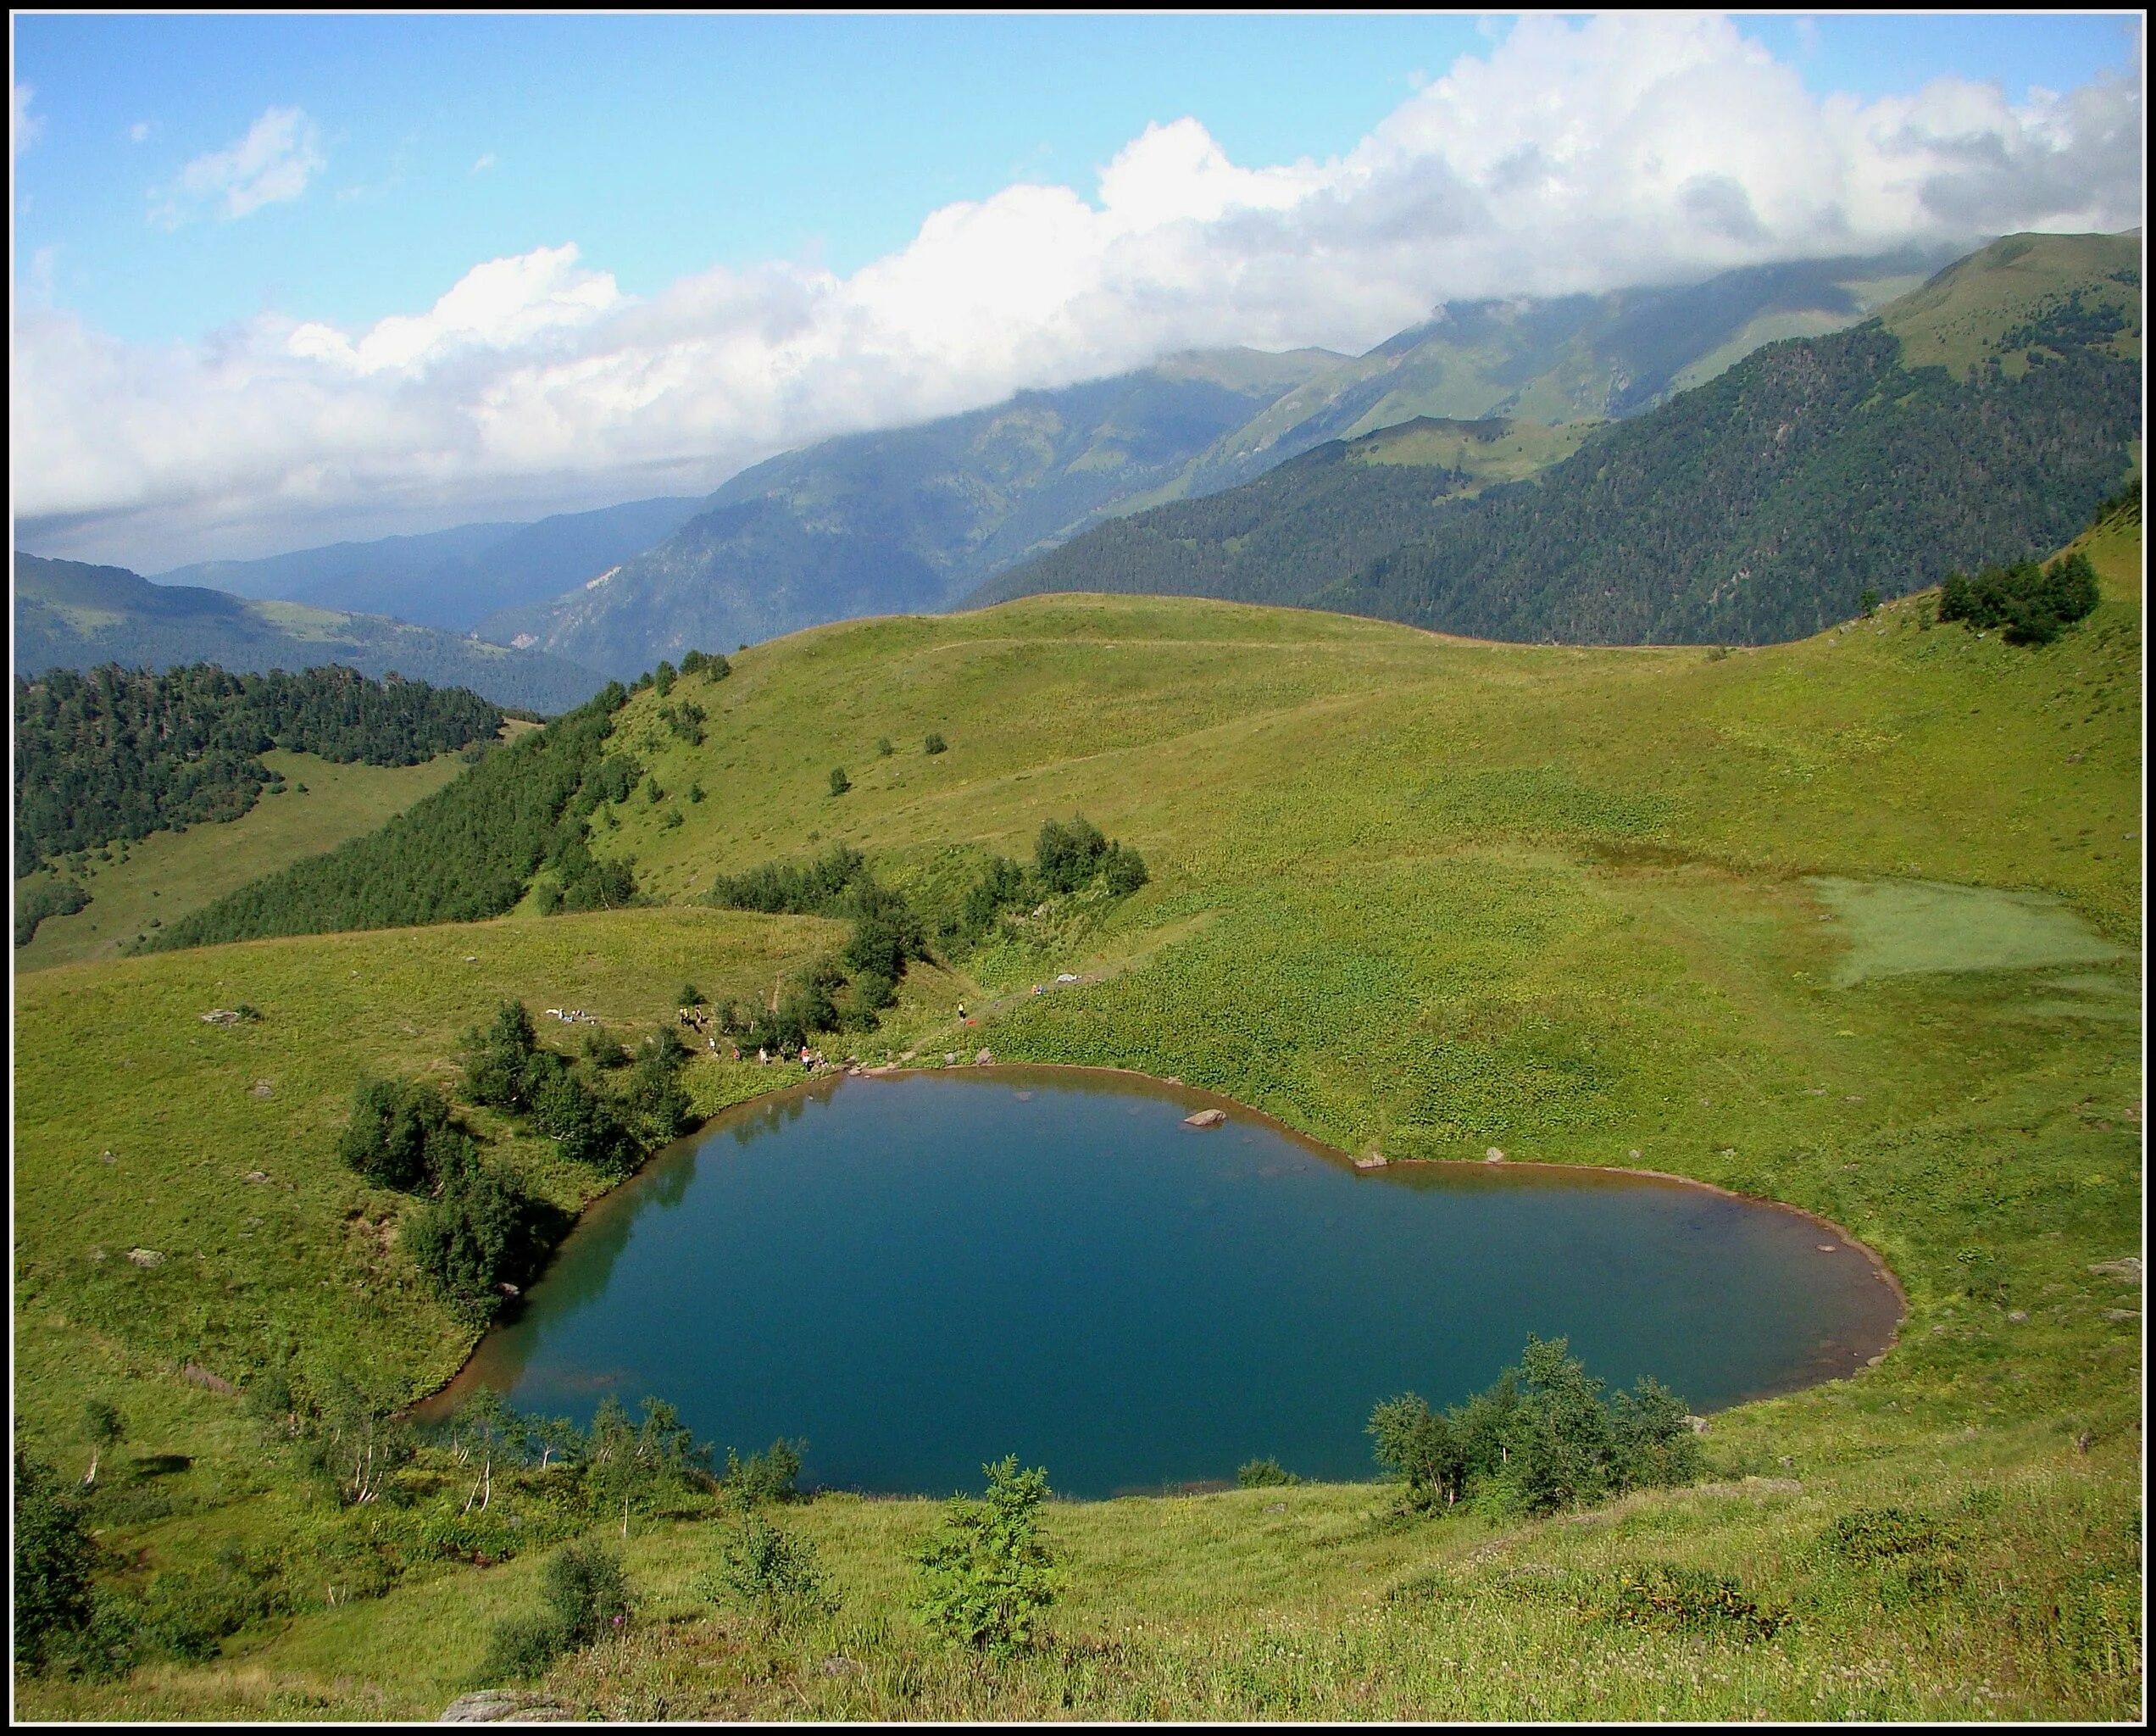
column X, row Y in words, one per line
column 280, row 281
column 664, row 146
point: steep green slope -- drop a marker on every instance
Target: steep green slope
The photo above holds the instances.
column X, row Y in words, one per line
column 1424, row 893
column 1322, row 517
column 1758, row 506
column 71, row 615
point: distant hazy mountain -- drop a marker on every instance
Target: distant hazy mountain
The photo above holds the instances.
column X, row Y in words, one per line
column 914, row 519
column 451, row 578
column 1980, row 418
column 71, row 615
column 909, row 519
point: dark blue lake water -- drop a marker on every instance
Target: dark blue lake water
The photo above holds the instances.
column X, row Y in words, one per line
column 921, row 1273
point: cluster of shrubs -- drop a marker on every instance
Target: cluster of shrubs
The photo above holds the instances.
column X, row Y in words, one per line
column 2033, row 603
column 1544, row 1437
column 505, row 1069
column 886, row 936
column 1069, row 856
column 479, row 1230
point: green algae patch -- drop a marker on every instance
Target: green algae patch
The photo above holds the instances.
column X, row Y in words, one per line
column 1902, row 928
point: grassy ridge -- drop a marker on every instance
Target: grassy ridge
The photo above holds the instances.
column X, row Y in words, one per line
column 1421, row 893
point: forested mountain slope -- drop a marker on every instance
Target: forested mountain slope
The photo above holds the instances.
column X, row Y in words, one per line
column 120, row 753
column 1759, row 506
column 71, row 616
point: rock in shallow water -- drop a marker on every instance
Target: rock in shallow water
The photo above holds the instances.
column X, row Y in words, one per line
column 1206, row 1118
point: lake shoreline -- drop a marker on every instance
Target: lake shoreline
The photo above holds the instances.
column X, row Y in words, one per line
column 441, row 1399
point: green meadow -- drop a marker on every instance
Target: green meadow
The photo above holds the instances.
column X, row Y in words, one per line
column 1853, row 923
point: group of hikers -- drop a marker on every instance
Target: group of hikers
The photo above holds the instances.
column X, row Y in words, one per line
column 701, row 1020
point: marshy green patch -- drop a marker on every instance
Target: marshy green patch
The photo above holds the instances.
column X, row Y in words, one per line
column 1904, row 927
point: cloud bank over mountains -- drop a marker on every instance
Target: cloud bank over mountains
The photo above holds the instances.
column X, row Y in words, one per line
column 1619, row 151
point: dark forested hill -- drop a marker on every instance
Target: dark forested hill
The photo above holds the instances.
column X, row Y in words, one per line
column 1758, row 506
column 120, row 753
column 463, row 852
column 71, row 616
column 1328, row 512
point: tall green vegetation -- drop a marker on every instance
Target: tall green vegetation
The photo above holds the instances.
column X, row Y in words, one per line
column 2034, row 604
column 39, row 899
column 480, row 1234
column 986, row 1574
column 463, row 853
column 584, row 1594
column 1543, row 1439
column 54, row 1559
column 113, row 753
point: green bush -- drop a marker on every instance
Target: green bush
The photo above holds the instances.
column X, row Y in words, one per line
column 400, row 1135
column 839, row 783
column 1543, row 1438
column 585, row 1590
column 1422, row 1447
column 478, row 1235
column 496, row 1057
column 986, row 1574
column 768, row 1572
column 772, row 1475
column 523, row 1646
column 54, row 1556
column 2033, row 604
column 1265, row 1473
column 934, row 744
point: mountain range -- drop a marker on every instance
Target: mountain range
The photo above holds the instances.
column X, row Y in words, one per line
column 1398, row 482
column 70, row 615
column 916, row 518
column 1980, row 418
column 449, row 578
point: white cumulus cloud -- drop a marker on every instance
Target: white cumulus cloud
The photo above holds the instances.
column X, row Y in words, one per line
column 1567, row 157
column 273, row 162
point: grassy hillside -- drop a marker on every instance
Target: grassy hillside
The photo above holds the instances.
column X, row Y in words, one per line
column 1979, row 307
column 169, row 874
column 1589, row 905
